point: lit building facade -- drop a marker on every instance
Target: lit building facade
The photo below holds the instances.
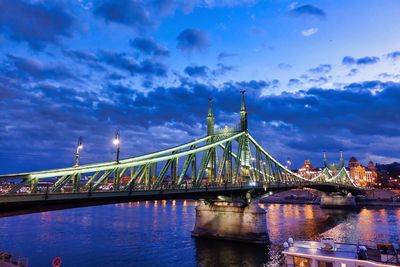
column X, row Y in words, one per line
column 307, row 170
column 362, row 176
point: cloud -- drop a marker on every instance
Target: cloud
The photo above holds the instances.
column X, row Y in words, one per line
column 36, row 70
column 348, row 60
column 295, row 83
column 192, row 39
column 221, row 56
column 284, row 66
column 127, row 63
column 149, row 47
column 321, row 69
column 307, row 10
column 126, row 12
column 227, row 3
column 205, row 72
column 197, row 71
column 309, row 32
column 393, row 55
column 38, row 23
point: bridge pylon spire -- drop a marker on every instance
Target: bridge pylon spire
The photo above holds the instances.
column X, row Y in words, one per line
column 325, row 161
column 210, row 118
column 341, row 162
column 243, row 113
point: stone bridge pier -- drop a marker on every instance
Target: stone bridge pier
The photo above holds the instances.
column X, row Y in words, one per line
column 231, row 221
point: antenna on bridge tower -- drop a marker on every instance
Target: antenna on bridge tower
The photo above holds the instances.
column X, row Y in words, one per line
column 341, row 163
column 210, row 118
column 243, row 113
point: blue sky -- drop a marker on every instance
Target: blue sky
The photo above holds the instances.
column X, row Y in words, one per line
column 319, row 75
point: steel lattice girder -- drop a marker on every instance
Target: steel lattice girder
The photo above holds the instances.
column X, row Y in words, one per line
column 267, row 171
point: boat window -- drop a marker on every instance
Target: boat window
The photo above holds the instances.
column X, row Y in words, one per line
column 302, row 262
column 325, row 264
column 343, row 265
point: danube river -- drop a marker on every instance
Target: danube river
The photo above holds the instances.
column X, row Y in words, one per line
column 157, row 233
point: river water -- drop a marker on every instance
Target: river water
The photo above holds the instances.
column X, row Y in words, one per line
column 157, row 233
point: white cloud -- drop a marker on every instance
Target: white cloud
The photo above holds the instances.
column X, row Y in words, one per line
column 309, row 32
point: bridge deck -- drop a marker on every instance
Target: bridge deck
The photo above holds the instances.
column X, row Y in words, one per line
column 28, row 203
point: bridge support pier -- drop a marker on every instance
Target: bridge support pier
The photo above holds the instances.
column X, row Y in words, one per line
column 231, row 221
column 338, row 202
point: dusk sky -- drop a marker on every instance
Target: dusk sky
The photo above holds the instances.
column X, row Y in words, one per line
column 319, row 75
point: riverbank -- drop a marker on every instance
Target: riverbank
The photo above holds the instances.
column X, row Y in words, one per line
column 380, row 198
column 369, row 203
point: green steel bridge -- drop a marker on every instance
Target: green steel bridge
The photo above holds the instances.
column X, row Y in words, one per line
column 226, row 161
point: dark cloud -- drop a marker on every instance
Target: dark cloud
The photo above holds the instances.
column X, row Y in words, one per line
column 389, row 76
column 197, row 71
column 393, row 55
column 321, row 69
column 37, row 23
column 37, row 70
column 221, row 56
column 301, row 123
column 307, row 10
column 205, row 72
column 192, row 39
column 294, row 83
column 126, row 12
column 352, row 72
column 222, row 69
column 149, row 47
column 348, row 60
column 285, row 66
column 124, row 62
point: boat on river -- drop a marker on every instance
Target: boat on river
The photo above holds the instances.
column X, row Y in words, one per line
column 10, row 260
column 328, row 253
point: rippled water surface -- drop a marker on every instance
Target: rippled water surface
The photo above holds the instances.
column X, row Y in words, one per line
column 157, row 233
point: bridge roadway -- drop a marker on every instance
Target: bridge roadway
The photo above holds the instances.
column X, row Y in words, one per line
column 14, row 204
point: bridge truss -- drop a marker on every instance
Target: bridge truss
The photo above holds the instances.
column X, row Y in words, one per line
column 230, row 158
column 225, row 157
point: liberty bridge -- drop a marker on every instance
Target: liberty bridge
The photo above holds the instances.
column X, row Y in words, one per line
column 227, row 161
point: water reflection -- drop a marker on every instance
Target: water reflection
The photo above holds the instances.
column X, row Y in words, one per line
column 157, row 233
column 224, row 253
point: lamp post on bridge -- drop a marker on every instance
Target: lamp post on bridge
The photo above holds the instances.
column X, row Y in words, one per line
column 117, row 142
column 78, row 149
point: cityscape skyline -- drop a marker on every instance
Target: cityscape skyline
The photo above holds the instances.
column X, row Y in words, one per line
column 315, row 79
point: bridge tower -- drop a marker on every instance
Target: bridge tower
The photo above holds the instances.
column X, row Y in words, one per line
column 211, row 166
column 210, row 118
column 245, row 154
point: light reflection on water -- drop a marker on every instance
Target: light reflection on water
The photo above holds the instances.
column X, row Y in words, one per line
column 157, row 233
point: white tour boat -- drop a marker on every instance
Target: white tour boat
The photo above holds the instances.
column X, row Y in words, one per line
column 328, row 253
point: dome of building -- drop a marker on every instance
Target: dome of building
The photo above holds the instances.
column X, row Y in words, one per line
column 353, row 162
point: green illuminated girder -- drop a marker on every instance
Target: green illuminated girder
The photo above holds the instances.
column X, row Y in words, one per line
column 161, row 175
column 61, row 182
column 134, row 175
column 90, row 181
column 186, row 164
column 117, row 178
column 237, row 161
column 203, row 165
column 34, row 184
column 102, row 178
column 77, row 182
column 222, row 163
column 19, row 186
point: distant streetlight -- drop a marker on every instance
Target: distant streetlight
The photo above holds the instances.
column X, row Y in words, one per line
column 117, row 142
column 78, row 149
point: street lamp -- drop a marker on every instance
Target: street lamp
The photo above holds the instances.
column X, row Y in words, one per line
column 78, row 149
column 116, row 142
